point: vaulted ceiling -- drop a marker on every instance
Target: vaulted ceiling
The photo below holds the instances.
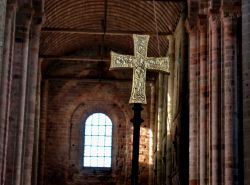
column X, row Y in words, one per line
column 83, row 32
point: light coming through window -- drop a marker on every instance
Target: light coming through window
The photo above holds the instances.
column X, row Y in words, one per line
column 97, row 141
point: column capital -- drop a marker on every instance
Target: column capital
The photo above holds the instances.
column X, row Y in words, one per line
column 11, row 7
column 191, row 26
column 229, row 15
column 25, row 15
column 214, row 20
column 23, row 21
column 202, row 23
column 171, row 44
column 230, row 11
column 170, row 38
column 38, row 18
column 37, row 22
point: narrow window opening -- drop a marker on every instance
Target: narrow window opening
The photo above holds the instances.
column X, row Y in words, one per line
column 97, row 141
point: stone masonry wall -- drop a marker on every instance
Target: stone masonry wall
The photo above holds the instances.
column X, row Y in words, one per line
column 2, row 25
column 246, row 85
column 69, row 104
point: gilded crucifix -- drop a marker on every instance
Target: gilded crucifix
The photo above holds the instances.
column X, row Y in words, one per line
column 140, row 63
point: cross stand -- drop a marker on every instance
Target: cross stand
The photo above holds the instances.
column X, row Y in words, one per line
column 140, row 63
column 136, row 120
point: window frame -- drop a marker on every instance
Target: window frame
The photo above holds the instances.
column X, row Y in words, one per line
column 83, row 134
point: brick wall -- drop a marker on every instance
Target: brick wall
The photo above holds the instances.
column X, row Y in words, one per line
column 172, row 129
column 246, row 85
column 180, row 107
column 69, row 104
column 2, row 24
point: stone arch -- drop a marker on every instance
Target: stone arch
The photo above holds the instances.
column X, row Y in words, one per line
column 121, row 129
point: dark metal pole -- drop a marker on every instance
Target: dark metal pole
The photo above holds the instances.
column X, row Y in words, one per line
column 136, row 142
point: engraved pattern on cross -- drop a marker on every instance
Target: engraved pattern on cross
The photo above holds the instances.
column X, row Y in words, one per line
column 140, row 63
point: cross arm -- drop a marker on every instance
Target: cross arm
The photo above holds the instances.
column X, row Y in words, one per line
column 121, row 61
column 158, row 64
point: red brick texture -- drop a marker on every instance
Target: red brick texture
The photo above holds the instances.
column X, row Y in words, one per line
column 5, row 82
column 213, row 95
column 203, row 93
column 214, row 102
column 70, row 103
column 193, row 105
column 18, row 94
column 246, row 86
column 215, row 85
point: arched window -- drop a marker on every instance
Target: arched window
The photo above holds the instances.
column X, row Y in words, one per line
column 97, row 141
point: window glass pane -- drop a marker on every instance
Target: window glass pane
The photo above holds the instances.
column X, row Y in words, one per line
column 86, row 161
column 101, row 151
column 87, row 131
column 88, row 140
column 87, row 151
column 94, row 141
column 101, row 141
column 93, row 151
column 107, row 162
column 108, row 122
column 107, row 151
column 108, row 130
column 97, row 141
column 107, row 141
column 102, row 118
column 100, row 161
column 94, row 161
column 102, row 130
column 94, row 130
column 95, row 120
column 88, row 121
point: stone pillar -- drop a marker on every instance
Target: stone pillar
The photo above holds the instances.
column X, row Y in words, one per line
column 214, row 20
column 37, row 127
column 3, row 4
column 230, row 59
column 171, row 54
column 42, row 131
column 152, row 138
column 164, row 130
column 5, row 83
column 159, row 129
column 19, row 87
column 203, row 91
column 246, row 86
column 31, row 97
column 193, row 105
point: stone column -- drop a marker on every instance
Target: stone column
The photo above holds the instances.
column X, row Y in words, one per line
column 35, row 165
column 152, row 138
column 230, row 59
column 193, row 105
column 20, row 87
column 171, row 54
column 159, row 128
column 246, row 86
column 5, row 85
column 31, row 97
column 214, row 20
column 42, row 131
column 203, row 91
column 3, row 4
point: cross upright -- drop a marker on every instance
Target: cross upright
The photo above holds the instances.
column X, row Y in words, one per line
column 140, row 63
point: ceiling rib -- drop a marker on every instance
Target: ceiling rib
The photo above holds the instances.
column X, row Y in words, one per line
column 166, row 0
column 95, row 32
column 74, row 58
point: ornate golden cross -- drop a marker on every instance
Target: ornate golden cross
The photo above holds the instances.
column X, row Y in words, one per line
column 139, row 62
